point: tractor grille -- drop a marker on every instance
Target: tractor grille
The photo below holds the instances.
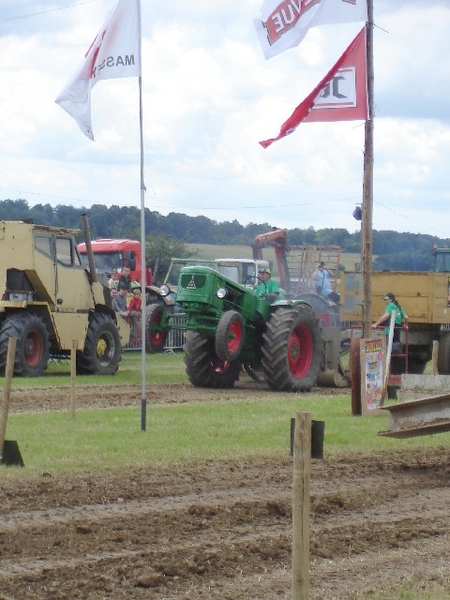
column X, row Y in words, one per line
column 192, row 282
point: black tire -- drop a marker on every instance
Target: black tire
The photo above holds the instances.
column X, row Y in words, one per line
column 318, row 303
column 204, row 368
column 292, row 349
column 443, row 361
column 102, row 347
column 155, row 338
column 230, row 335
column 32, row 347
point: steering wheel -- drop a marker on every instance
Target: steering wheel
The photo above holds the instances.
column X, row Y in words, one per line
column 250, row 280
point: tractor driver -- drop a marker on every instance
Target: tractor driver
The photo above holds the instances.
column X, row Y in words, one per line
column 268, row 288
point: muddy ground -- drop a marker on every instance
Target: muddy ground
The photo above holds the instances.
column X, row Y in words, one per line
column 220, row 530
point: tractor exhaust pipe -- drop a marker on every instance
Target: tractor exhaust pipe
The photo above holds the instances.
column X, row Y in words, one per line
column 90, row 254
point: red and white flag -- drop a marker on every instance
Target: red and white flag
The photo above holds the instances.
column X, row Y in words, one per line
column 114, row 53
column 340, row 96
column 283, row 24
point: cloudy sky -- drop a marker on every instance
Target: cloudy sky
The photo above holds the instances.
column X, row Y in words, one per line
column 209, row 96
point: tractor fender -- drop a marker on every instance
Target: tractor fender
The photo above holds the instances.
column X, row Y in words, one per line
column 153, row 295
column 318, row 303
column 327, row 310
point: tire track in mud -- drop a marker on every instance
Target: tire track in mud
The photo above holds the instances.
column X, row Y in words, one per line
column 218, row 531
column 368, row 522
column 110, row 395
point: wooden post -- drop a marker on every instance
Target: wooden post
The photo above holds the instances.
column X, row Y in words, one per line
column 355, row 376
column 73, row 373
column 434, row 357
column 300, row 506
column 367, row 205
column 12, row 342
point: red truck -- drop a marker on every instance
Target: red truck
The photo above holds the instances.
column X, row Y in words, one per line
column 110, row 254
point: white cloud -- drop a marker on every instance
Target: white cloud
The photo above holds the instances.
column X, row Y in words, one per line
column 209, row 96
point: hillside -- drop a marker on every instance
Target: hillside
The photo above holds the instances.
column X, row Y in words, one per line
column 394, row 250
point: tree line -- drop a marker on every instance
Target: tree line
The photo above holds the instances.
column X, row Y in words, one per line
column 393, row 250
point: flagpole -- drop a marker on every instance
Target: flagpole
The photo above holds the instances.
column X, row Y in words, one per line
column 367, row 205
column 143, row 253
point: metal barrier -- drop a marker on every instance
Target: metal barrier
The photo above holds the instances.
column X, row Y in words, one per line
column 135, row 342
column 175, row 337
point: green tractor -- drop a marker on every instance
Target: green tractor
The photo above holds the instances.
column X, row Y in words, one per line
column 229, row 329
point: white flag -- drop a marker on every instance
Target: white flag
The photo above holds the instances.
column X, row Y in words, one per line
column 283, row 24
column 114, row 53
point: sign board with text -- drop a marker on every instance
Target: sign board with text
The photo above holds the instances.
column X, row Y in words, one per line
column 373, row 357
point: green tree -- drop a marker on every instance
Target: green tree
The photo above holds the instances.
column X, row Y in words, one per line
column 301, row 237
column 159, row 251
column 42, row 215
column 229, row 230
column 333, row 237
column 68, row 216
column 14, row 209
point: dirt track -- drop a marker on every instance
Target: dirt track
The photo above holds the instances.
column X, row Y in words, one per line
column 220, row 530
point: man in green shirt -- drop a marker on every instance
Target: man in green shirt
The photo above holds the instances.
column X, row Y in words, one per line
column 268, row 288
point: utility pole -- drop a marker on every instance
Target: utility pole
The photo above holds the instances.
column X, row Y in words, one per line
column 367, row 205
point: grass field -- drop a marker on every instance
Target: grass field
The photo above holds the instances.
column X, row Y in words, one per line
column 250, row 424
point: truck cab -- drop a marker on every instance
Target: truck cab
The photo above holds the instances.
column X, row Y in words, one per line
column 241, row 270
column 114, row 254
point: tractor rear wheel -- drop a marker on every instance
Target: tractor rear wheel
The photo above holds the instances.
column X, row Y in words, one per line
column 32, row 348
column 155, row 338
column 102, row 347
column 230, row 335
column 204, row 368
column 292, row 349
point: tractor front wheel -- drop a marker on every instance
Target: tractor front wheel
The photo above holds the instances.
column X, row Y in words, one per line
column 155, row 337
column 292, row 349
column 230, row 335
column 32, row 347
column 102, row 348
column 204, row 368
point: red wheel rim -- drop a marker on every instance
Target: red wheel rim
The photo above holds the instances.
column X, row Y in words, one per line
column 157, row 338
column 234, row 336
column 300, row 351
column 33, row 349
column 220, row 366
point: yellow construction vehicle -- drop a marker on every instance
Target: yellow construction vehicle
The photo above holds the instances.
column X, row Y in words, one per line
column 49, row 301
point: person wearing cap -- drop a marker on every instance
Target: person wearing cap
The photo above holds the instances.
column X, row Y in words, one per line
column 268, row 288
column 401, row 318
column 322, row 282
